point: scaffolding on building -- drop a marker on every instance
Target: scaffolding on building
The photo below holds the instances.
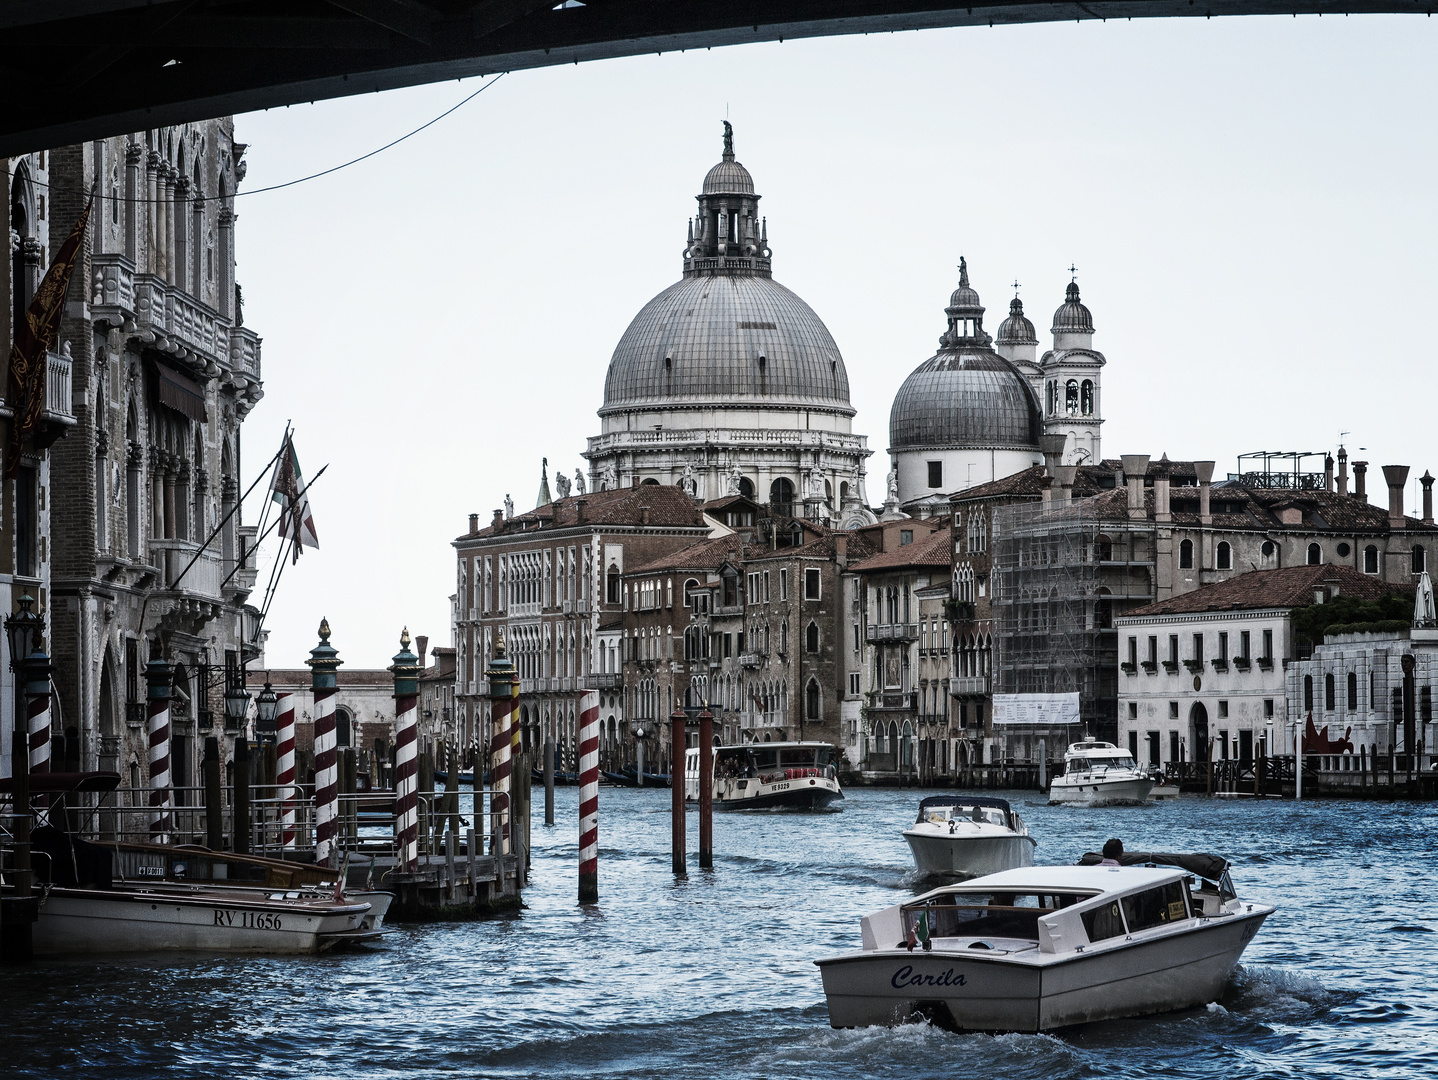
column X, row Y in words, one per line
column 1058, row 577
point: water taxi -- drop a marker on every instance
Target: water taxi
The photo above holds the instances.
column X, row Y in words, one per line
column 769, row 776
column 968, row 836
column 1100, row 774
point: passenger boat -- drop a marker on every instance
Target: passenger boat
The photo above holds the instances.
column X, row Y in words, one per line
column 1100, row 774
column 769, row 776
column 1048, row 947
column 969, row 836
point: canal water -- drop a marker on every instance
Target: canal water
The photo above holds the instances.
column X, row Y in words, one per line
column 713, row 976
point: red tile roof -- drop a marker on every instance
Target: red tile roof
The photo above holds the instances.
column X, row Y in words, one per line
column 935, row 549
column 1287, row 587
column 666, row 503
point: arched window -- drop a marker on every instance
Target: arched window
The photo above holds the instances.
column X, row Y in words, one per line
column 1086, row 396
column 612, row 585
column 1328, row 694
column 881, row 738
column 1071, row 397
column 1268, row 548
column 1223, row 557
column 811, row 638
column 746, row 487
column 1315, row 554
column 812, row 701
column 1352, row 691
column 1185, row 555
column 690, row 585
column 1370, row 560
column 651, row 480
column 1103, row 549
column 1419, row 563
column 781, row 496
column 1308, row 693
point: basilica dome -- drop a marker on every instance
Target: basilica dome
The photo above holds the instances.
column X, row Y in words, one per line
column 966, row 396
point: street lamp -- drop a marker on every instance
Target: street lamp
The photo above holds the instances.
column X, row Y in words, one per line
column 237, row 705
column 25, row 631
column 267, row 706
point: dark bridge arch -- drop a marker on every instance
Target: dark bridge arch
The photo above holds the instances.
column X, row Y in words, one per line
column 186, row 61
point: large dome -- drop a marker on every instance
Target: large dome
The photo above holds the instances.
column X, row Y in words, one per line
column 727, row 339
column 965, row 398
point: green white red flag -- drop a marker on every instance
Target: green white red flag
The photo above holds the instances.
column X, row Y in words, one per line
column 287, row 488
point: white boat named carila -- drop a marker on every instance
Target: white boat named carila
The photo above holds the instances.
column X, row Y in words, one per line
column 1100, row 774
column 1048, row 947
column 969, row 836
column 769, row 776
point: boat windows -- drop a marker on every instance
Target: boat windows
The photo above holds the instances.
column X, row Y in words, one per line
column 987, row 915
column 1103, row 922
column 1155, row 907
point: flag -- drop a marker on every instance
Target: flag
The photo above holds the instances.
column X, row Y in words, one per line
column 287, row 488
column 35, row 336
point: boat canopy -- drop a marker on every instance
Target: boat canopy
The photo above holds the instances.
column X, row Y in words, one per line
column 962, row 800
column 1204, row 864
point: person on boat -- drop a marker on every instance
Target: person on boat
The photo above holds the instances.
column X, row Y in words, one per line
column 1112, row 852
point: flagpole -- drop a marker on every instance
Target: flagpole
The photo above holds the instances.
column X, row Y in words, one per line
column 271, row 528
column 223, row 522
column 265, row 513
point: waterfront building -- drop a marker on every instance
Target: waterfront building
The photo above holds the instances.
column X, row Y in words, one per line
column 364, row 714
column 164, row 374
column 547, row 581
column 975, row 411
column 727, row 383
column 1205, row 673
column 37, row 229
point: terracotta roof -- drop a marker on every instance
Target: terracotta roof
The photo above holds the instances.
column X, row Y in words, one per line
column 301, row 677
column 933, row 550
column 1287, row 587
column 705, row 555
column 821, row 547
column 667, row 504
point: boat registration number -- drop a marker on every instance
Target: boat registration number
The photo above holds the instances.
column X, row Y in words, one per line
column 247, row 920
column 779, row 787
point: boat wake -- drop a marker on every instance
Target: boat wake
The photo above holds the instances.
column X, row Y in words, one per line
column 1278, row 994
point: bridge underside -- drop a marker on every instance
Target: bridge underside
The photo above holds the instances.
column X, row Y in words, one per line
column 81, row 69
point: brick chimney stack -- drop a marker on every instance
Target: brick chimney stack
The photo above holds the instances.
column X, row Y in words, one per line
column 1135, row 467
column 1360, row 480
column 1427, row 481
column 1204, row 469
column 1396, row 477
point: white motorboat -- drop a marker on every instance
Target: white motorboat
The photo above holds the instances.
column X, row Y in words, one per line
column 769, row 776
column 1100, row 774
column 969, row 836
column 1048, row 947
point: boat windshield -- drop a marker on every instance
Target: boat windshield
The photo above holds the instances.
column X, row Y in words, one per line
column 982, row 815
column 792, row 762
column 1108, row 761
column 984, row 915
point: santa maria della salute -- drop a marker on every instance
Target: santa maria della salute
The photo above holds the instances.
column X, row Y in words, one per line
column 727, row 383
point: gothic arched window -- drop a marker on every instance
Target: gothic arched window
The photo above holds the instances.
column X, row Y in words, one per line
column 811, row 638
column 1086, row 397
column 812, row 700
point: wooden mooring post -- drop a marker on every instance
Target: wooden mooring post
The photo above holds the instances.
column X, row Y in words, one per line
column 678, row 724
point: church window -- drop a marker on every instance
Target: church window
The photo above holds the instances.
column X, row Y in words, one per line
column 1419, row 563
column 936, row 474
column 781, row 496
column 1223, row 559
column 1087, row 397
column 746, row 487
column 1315, row 554
column 1370, row 560
column 1071, row 397
column 1185, row 555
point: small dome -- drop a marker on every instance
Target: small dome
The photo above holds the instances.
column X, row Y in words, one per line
column 1016, row 329
column 965, row 398
column 964, row 297
column 728, row 178
column 1072, row 317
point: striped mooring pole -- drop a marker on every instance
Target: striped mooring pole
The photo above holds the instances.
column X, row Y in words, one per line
column 285, row 761
column 678, row 726
column 589, row 797
column 406, row 756
column 504, row 704
column 324, row 665
column 157, row 679
column 37, row 693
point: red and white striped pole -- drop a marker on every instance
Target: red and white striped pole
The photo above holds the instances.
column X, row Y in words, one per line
column 324, row 664
column 406, row 760
column 504, row 700
column 589, row 797
column 157, row 678
column 285, row 766
column 37, row 693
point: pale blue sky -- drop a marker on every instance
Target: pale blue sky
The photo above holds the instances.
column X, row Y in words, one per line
column 1248, row 202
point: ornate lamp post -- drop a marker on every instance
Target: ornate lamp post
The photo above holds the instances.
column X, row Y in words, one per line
column 237, row 709
column 267, row 707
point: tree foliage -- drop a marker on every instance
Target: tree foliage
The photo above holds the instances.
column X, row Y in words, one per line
column 1387, row 614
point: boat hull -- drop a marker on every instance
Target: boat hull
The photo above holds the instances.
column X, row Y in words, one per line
column 994, row 993
column 804, row 793
column 97, row 920
column 1129, row 792
column 968, row 856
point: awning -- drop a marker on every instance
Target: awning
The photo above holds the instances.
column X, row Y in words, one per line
column 181, row 393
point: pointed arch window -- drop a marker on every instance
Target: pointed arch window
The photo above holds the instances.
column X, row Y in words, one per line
column 811, row 638
column 813, row 701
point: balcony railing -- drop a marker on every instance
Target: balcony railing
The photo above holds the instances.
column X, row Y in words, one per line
column 892, row 632
column 972, row 686
column 604, row 680
column 203, row 578
column 58, row 406
column 751, row 659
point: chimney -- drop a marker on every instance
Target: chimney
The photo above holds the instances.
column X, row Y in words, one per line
column 1135, row 467
column 1360, row 480
column 474, row 523
column 579, row 510
column 1342, row 471
column 1204, row 469
column 1328, row 473
column 644, row 515
column 422, row 645
column 1052, row 447
column 1396, row 476
column 1160, row 491
column 1427, row 481
column 841, row 550
column 1065, row 474
column 1046, row 491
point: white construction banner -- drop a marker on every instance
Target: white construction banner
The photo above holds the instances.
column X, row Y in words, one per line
column 1038, row 710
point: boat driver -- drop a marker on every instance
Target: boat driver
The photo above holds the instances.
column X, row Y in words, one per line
column 1112, row 852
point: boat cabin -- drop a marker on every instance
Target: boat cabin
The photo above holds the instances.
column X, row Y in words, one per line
column 770, row 762
column 943, row 809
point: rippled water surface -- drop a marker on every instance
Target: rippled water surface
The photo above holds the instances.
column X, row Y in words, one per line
column 713, row 976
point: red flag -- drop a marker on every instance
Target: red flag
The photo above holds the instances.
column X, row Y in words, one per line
column 35, row 336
